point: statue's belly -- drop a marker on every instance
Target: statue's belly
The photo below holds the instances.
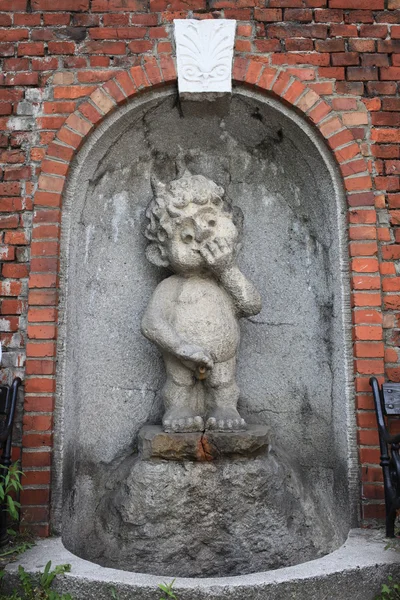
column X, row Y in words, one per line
column 205, row 315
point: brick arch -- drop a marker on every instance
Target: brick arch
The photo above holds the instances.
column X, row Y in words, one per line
column 43, row 279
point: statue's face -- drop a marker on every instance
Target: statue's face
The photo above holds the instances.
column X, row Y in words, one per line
column 198, row 226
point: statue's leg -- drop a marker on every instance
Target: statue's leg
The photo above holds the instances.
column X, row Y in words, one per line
column 223, row 396
column 180, row 398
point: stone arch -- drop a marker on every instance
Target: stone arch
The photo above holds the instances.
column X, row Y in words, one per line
column 77, row 128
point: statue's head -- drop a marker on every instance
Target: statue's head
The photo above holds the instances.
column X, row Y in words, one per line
column 184, row 215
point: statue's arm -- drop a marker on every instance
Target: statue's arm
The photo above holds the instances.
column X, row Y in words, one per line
column 156, row 322
column 245, row 296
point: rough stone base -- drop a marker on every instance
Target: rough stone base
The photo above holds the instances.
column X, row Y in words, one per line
column 200, row 519
column 356, row 571
column 154, row 443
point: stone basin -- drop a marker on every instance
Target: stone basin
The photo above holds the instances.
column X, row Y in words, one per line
column 355, row 571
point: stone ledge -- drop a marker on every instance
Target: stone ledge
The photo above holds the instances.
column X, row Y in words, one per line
column 355, row 571
column 154, row 443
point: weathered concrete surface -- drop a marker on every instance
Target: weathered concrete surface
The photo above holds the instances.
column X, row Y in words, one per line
column 292, row 358
column 355, row 571
column 154, row 443
column 200, row 519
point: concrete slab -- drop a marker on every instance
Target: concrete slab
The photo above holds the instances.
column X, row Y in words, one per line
column 355, row 571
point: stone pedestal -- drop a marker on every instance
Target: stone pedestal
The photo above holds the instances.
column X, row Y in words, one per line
column 154, row 443
column 206, row 504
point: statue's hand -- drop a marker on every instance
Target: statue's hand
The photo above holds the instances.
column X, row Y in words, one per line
column 218, row 254
column 195, row 356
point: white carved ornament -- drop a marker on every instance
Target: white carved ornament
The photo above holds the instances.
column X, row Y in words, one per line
column 204, row 51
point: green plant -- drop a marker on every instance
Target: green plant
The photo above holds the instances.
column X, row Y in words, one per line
column 167, row 589
column 389, row 591
column 10, row 482
column 18, row 549
column 33, row 590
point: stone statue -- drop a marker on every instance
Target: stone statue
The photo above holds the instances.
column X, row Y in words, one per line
column 193, row 314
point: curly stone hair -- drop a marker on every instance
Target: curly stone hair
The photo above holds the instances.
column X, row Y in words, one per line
column 166, row 208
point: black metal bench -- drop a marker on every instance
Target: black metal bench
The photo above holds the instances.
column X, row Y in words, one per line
column 387, row 402
column 8, row 402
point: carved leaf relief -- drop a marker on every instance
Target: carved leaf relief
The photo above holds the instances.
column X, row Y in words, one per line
column 204, row 53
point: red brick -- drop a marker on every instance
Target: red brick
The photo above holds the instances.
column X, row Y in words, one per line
column 388, row 151
column 361, row 282
column 99, row 61
column 299, row 45
column 9, row 221
column 345, row 58
column 290, row 31
column 6, row 49
column 115, row 5
column 41, row 350
column 268, row 14
column 56, row 19
column 328, row 16
column 61, row 47
column 31, row 49
column 14, row 35
column 36, row 315
column 368, row 332
column 373, row 31
column 311, row 58
column 72, row 5
column 358, row 45
column 37, row 478
column 267, row 45
column 37, row 422
column 381, row 88
column 367, row 316
column 39, row 404
column 330, row 45
column 35, row 496
column 391, row 252
column 141, row 46
column 362, row 73
column 16, row 64
column 385, row 135
column 35, row 459
column 44, row 64
column 365, row 265
column 167, row 68
column 390, row 73
column 294, row 91
column 139, row 77
column 343, row 30
column 359, row 16
column 389, row 46
column 23, row 78
column 72, row 91
column 375, row 60
column 10, row 189
column 40, row 384
column 358, row 4
column 391, row 104
column 112, row 48
column 302, row 15
column 15, row 271
column 362, row 216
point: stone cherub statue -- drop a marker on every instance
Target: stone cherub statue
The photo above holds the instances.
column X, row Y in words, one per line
column 193, row 314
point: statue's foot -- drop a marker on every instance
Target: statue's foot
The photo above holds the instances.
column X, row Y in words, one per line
column 180, row 420
column 225, row 419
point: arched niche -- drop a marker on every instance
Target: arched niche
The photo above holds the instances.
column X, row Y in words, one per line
column 294, row 370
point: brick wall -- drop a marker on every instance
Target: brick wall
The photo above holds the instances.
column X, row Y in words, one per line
column 56, row 53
